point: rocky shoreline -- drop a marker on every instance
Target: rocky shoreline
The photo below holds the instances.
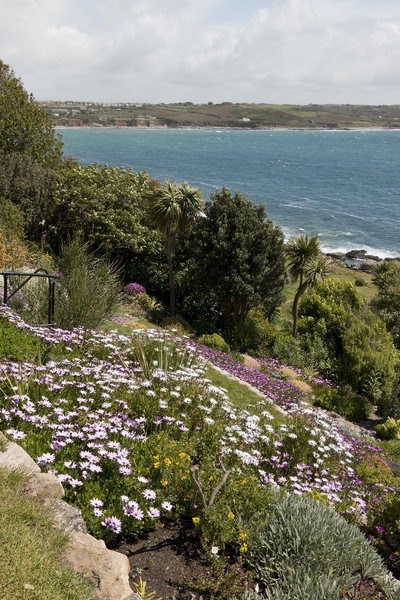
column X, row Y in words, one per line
column 358, row 260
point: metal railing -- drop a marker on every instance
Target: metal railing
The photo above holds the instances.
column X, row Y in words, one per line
column 38, row 273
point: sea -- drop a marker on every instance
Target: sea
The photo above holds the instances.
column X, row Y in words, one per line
column 342, row 185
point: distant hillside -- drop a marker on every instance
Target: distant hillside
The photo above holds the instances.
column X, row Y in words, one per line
column 227, row 114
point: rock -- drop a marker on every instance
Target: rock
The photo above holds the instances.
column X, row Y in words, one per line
column 337, row 255
column 387, row 259
column 67, row 518
column 356, row 254
column 372, row 257
column 251, row 363
column 355, row 267
column 368, row 266
column 15, row 458
column 44, row 486
column 106, row 569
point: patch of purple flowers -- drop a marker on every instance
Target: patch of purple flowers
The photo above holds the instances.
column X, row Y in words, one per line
column 134, row 289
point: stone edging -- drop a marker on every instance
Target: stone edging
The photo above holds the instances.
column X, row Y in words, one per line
column 107, row 570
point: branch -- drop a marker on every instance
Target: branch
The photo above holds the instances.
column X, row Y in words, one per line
column 194, row 476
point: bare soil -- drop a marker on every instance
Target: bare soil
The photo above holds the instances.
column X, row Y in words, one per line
column 167, row 558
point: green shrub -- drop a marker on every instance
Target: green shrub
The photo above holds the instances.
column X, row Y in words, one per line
column 302, row 351
column 255, row 337
column 346, row 403
column 384, row 529
column 179, row 324
column 154, row 309
column 215, row 341
column 87, row 290
column 303, row 550
column 360, row 281
column 390, row 430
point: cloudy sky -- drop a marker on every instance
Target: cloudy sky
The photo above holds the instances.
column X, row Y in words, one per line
column 274, row 51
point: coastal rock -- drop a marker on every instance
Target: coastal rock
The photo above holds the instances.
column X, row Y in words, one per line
column 337, row 255
column 387, row 259
column 372, row 257
column 106, row 569
column 368, row 266
column 352, row 254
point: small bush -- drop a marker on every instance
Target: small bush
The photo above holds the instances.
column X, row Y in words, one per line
column 384, row 529
column 154, row 309
column 87, row 290
column 255, row 337
column 390, row 430
column 179, row 324
column 216, row 342
column 360, row 282
column 303, row 549
column 302, row 351
column 347, row 403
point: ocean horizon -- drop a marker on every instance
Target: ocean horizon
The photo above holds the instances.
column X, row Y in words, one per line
column 342, row 185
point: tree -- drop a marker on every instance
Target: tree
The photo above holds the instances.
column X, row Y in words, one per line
column 306, row 265
column 105, row 204
column 238, row 257
column 172, row 207
column 24, row 127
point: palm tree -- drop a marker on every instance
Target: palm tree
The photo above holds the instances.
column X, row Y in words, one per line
column 306, row 265
column 172, row 207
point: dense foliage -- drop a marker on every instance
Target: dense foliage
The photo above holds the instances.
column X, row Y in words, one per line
column 387, row 301
column 25, row 128
column 238, row 257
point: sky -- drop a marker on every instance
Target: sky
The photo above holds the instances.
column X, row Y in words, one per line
column 272, row 51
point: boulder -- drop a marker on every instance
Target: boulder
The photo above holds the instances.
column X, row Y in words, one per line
column 106, row 569
column 337, row 255
column 67, row 518
column 356, row 254
column 372, row 257
column 44, row 486
column 368, row 266
column 14, row 458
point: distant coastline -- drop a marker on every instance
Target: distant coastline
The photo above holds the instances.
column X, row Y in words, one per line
column 222, row 128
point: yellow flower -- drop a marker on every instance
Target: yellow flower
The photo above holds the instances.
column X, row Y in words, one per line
column 159, row 437
column 196, row 520
column 164, row 482
column 168, row 462
column 156, row 465
column 182, row 455
column 156, row 457
column 242, row 536
column 231, row 515
column 243, row 547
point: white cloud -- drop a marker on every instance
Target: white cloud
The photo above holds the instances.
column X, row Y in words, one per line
column 295, row 51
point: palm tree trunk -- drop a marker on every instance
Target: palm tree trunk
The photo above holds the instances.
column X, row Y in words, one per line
column 295, row 308
column 170, row 252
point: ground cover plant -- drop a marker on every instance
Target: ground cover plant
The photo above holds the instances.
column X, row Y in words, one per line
column 136, row 432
